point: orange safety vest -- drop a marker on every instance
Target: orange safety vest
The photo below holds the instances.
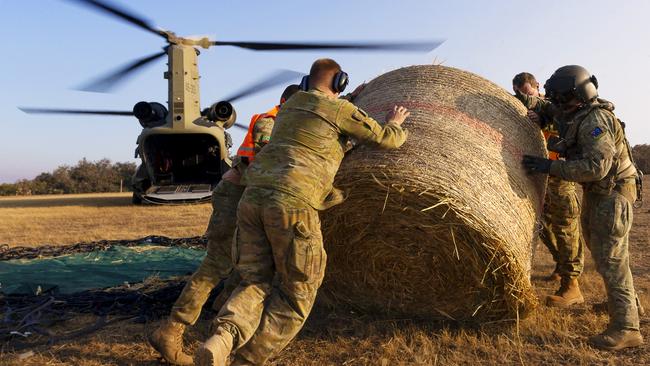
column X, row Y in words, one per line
column 551, row 154
column 247, row 148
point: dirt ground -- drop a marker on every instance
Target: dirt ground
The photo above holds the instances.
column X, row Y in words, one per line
column 340, row 336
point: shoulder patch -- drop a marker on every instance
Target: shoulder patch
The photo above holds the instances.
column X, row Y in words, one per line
column 597, row 133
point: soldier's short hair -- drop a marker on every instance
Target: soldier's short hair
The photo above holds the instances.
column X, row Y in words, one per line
column 288, row 92
column 323, row 69
column 522, row 78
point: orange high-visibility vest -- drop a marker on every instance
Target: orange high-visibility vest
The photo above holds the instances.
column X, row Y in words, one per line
column 247, row 148
column 551, row 154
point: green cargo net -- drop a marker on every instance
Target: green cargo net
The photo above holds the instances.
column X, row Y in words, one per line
column 43, row 288
column 114, row 265
column 117, row 265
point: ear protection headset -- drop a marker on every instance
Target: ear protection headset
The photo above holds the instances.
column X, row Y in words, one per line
column 339, row 82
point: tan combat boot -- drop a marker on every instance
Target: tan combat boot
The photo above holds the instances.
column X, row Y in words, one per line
column 215, row 351
column 614, row 340
column 568, row 294
column 168, row 341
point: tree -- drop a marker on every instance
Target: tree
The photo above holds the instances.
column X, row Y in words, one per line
column 62, row 181
column 641, row 154
column 8, row 189
column 126, row 172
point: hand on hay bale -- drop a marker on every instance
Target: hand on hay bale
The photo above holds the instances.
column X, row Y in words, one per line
column 397, row 115
column 536, row 165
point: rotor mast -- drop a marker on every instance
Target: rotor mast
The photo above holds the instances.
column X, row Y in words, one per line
column 183, row 78
column 183, row 102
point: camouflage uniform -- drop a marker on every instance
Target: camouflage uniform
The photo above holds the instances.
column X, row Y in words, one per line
column 561, row 227
column 561, row 220
column 217, row 264
column 278, row 233
column 598, row 157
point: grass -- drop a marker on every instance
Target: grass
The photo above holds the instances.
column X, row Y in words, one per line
column 67, row 219
column 331, row 336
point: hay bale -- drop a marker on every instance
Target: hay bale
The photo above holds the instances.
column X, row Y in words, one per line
column 442, row 227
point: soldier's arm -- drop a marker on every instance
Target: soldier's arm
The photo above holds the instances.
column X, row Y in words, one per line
column 598, row 149
column 262, row 132
column 356, row 123
column 538, row 105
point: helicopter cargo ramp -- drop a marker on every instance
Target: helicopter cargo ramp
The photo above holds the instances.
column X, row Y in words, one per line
column 178, row 194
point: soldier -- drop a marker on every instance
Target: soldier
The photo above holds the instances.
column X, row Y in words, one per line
column 598, row 156
column 561, row 224
column 278, row 228
column 168, row 338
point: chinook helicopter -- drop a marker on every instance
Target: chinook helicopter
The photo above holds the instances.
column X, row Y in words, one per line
column 184, row 150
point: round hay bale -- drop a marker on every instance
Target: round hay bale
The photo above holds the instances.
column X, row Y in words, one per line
column 442, row 227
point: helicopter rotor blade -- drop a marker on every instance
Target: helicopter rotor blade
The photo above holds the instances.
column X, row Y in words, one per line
column 276, row 78
column 240, row 126
column 127, row 16
column 425, row 46
column 73, row 111
column 109, row 81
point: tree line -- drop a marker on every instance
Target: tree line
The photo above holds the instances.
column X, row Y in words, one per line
column 84, row 177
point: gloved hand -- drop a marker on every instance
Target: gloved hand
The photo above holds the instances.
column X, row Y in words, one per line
column 557, row 145
column 536, row 165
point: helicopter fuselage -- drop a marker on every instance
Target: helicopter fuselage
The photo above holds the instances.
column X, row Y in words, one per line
column 183, row 155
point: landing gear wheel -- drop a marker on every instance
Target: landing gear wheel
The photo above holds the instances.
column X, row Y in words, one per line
column 136, row 199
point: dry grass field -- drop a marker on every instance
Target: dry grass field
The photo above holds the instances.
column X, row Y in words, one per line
column 67, row 219
column 331, row 336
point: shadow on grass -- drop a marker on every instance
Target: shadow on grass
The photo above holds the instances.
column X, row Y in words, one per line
column 109, row 200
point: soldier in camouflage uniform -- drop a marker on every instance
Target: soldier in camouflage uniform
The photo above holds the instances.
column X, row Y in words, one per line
column 560, row 218
column 278, row 228
column 598, row 156
column 217, row 264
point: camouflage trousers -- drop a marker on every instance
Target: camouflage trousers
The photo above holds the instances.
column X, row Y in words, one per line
column 278, row 237
column 606, row 223
column 217, row 264
column 561, row 227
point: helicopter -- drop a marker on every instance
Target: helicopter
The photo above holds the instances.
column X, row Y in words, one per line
column 184, row 150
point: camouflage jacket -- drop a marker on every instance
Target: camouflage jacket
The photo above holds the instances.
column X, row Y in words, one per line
column 262, row 132
column 308, row 143
column 596, row 146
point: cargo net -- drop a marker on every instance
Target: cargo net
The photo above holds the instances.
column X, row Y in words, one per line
column 29, row 318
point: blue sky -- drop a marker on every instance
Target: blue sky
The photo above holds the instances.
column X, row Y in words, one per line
column 51, row 46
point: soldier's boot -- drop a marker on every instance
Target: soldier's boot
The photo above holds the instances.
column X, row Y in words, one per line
column 614, row 340
column 568, row 294
column 168, row 341
column 215, row 351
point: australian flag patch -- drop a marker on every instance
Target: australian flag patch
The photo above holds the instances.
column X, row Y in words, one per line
column 597, row 133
